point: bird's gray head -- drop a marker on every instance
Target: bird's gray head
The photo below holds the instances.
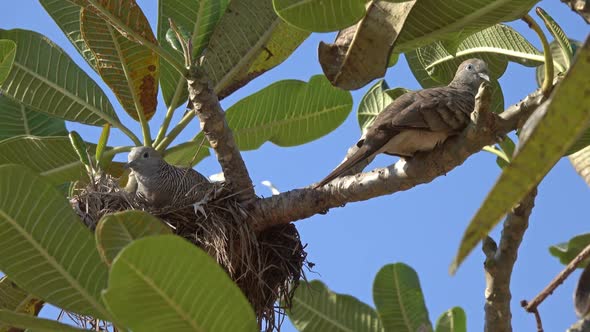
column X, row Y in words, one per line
column 144, row 159
column 470, row 74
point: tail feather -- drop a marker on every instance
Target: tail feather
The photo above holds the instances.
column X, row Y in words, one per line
column 361, row 154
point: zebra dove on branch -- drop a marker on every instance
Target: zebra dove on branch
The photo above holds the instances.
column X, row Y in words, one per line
column 420, row 120
column 161, row 184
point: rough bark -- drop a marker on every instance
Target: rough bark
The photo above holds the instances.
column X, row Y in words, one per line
column 499, row 264
column 206, row 106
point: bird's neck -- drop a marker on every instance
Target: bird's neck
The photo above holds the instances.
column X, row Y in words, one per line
column 459, row 85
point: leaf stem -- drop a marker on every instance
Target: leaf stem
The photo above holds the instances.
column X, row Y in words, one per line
column 162, row 52
column 186, row 119
column 499, row 153
column 548, row 81
column 170, row 112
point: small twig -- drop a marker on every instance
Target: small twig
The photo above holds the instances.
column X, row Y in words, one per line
column 558, row 280
column 548, row 80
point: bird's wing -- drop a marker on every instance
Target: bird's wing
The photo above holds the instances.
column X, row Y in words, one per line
column 438, row 109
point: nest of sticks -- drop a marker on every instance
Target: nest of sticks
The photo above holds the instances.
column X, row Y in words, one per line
column 266, row 265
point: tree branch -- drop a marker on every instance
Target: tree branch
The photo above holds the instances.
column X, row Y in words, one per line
column 206, row 106
column 405, row 174
column 582, row 7
column 499, row 263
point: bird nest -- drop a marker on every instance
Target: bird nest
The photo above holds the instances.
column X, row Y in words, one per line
column 266, row 265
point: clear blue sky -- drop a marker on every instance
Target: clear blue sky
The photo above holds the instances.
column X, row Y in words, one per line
column 421, row 227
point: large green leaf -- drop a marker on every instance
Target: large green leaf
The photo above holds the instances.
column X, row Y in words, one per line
column 130, row 69
column 567, row 251
column 320, row 15
column 433, row 65
column 7, row 54
column 316, row 308
column 452, row 320
column 399, row 299
column 288, row 113
column 67, row 16
column 46, row 79
column 45, row 248
column 248, row 40
column 17, row 119
column 558, row 126
column 15, row 299
column 374, row 101
column 53, row 157
column 185, row 14
column 189, row 290
column 23, row 321
column 115, row 231
column 453, row 20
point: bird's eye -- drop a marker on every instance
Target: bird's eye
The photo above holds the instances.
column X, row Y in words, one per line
column 469, row 67
column 145, row 155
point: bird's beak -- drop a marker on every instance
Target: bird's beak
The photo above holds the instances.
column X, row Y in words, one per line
column 485, row 77
column 129, row 165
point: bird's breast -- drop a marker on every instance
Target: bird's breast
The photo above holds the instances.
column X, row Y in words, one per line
column 408, row 142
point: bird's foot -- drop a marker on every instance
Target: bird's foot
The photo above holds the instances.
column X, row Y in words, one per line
column 198, row 206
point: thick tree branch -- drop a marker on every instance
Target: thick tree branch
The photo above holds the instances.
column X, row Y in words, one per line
column 206, row 106
column 582, row 7
column 405, row 174
column 499, row 263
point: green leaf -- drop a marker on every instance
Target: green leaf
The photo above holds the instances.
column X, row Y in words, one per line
column 198, row 296
column 188, row 154
column 62, row 265
column 559, row 62
column 461, row 18
column 102, row 142
column 374, row 101
column 320, row 15
column 172, row 38
column 117, row 230
column 453, row 320
column 17, row 119
column 567, row 251
column 559, row 124
column 433, row 65
column 316, row 308
column 399, row 299
column 80, row 147
column 185, row 14
column 53, row 157
column 559, row 36
column 46, row 79
column 15, row 299
column 288, row 113
column 23, row 321
column 67, row 16
column 249, row 40
column 130, row 69
column 7, row 54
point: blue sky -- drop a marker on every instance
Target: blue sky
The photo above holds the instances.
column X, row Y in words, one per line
column 421, row 227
